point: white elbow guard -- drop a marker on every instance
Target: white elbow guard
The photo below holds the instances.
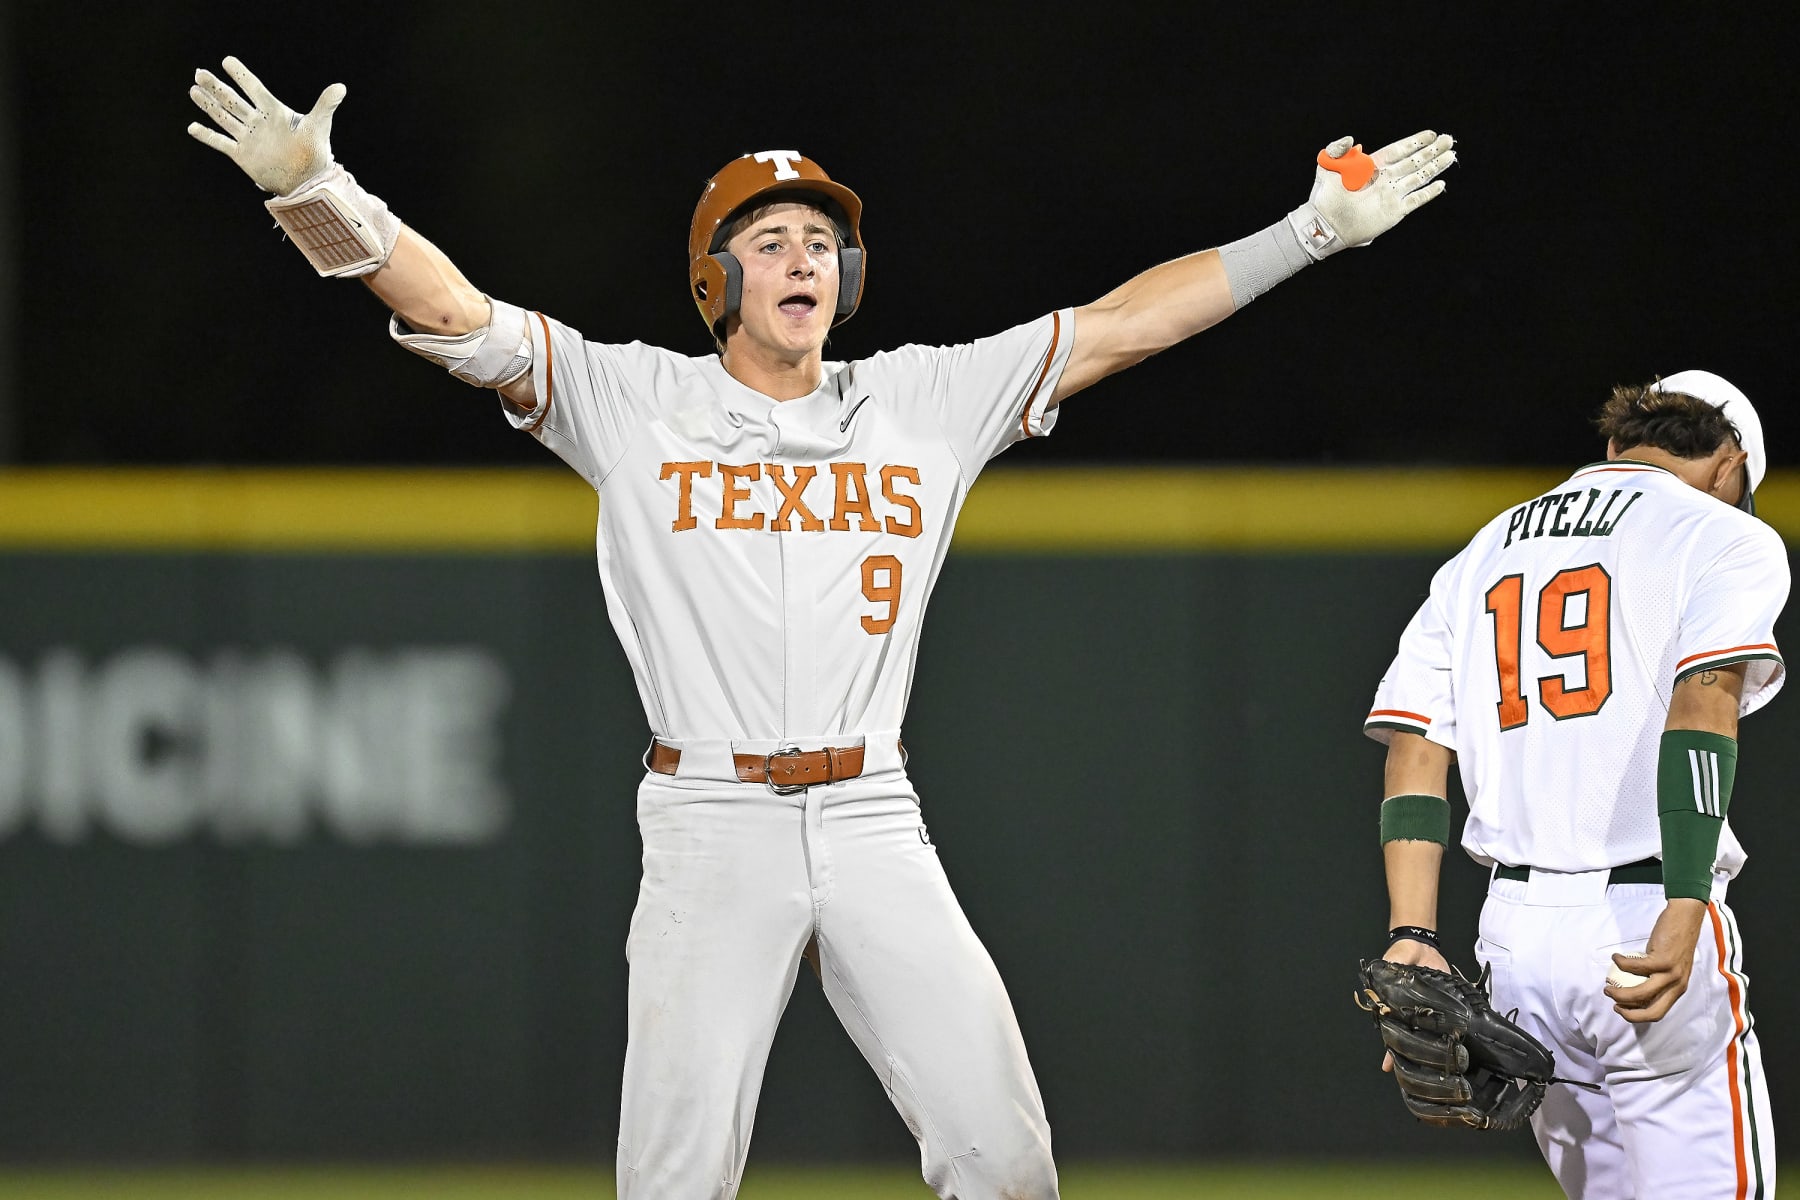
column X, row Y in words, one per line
column 490, row 357
column 342, row 229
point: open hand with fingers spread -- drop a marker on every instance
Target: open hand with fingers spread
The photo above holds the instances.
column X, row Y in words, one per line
column 343, row 230
column 1357, row 197
column 278, row 148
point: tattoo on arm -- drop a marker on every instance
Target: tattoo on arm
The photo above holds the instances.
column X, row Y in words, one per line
column 1708, row 678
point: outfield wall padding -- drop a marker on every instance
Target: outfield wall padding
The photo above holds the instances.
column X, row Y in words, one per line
column 331, row 855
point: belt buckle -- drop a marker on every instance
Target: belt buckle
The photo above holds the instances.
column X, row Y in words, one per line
column 781, row 789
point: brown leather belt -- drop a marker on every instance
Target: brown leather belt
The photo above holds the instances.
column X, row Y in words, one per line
column 784, row 770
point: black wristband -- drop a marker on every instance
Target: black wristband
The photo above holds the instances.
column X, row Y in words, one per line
column 1414, row 933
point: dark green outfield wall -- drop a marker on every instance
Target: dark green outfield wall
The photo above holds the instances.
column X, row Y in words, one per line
column 333, row 856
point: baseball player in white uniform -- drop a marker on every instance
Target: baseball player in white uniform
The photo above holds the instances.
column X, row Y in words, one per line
column 770, row 528
column 1585, row 661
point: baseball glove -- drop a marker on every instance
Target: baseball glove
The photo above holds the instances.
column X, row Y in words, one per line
column 1457, row 1061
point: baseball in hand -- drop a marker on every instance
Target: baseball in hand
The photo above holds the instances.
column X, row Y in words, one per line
column 1619, row 977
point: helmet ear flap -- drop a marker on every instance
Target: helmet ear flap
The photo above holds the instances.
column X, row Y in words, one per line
column 734, row 281
column 850, row 279
column 717, row 281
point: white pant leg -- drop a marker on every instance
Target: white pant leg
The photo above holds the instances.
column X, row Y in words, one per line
column 723, row 913
column 920, row 996
column 1576, row 1130
column 1684, row 1111
column 1689, row 1089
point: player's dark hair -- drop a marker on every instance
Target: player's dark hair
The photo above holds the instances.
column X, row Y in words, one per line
column 744, row 218
column 1685, row 426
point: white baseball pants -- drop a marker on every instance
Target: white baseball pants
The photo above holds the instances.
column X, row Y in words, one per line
column 1683, row 1110
column 737, row 880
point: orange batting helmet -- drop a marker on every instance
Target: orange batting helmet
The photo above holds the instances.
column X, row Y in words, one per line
column 715, row 277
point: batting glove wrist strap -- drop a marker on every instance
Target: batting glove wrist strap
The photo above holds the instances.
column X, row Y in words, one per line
column 343, row 230
column 1257, row 263
column 1415, row 819
column 1694, row 774
column 1313, row 234
column 490, row 357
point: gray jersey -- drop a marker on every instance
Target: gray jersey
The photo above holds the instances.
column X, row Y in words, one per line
column 766, row 564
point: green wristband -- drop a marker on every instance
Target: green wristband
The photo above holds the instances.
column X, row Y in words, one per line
column 1415, row 819
column 1694, row 773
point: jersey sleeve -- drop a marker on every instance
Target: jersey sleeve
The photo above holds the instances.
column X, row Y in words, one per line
column 1416, row 694
column 590, row 397
column 1730, row 616
column 986, row 394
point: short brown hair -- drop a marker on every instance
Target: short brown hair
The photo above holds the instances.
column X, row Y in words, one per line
column 1685, row 426
column 745, row 218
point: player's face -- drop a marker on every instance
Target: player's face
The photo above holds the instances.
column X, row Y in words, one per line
column 790, row 259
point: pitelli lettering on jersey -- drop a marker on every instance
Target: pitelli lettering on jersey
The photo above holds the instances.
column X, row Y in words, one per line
column 1583, row 526
column 1601, row 526
column 1544, row 507
column 1520, row 525
column 851, row 495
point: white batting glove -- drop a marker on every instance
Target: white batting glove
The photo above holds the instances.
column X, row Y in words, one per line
column 1357, row 197
column 277, row 147
column 336, row 223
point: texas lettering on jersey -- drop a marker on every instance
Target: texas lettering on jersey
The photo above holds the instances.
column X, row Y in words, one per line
column 767, row 564
column 847, row 495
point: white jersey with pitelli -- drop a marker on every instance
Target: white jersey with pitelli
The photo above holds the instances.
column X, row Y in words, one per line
column 1547, row 651
column 766, row 565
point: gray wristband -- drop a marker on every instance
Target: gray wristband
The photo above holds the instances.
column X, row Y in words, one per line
column 1257, row 263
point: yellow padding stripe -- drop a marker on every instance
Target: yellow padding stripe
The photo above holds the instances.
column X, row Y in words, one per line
column 1234, row 508
column 325, row 510
column 1011, row 510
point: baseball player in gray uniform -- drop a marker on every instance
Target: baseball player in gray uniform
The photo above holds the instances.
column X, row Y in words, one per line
column 771, row 524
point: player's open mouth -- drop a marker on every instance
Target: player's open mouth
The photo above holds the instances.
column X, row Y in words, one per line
column 799, row 305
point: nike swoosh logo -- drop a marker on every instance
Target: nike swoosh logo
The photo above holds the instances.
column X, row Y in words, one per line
column 845, row 423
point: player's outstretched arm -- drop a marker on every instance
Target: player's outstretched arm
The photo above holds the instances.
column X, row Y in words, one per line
column 346, row 232
column 1356, row 197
